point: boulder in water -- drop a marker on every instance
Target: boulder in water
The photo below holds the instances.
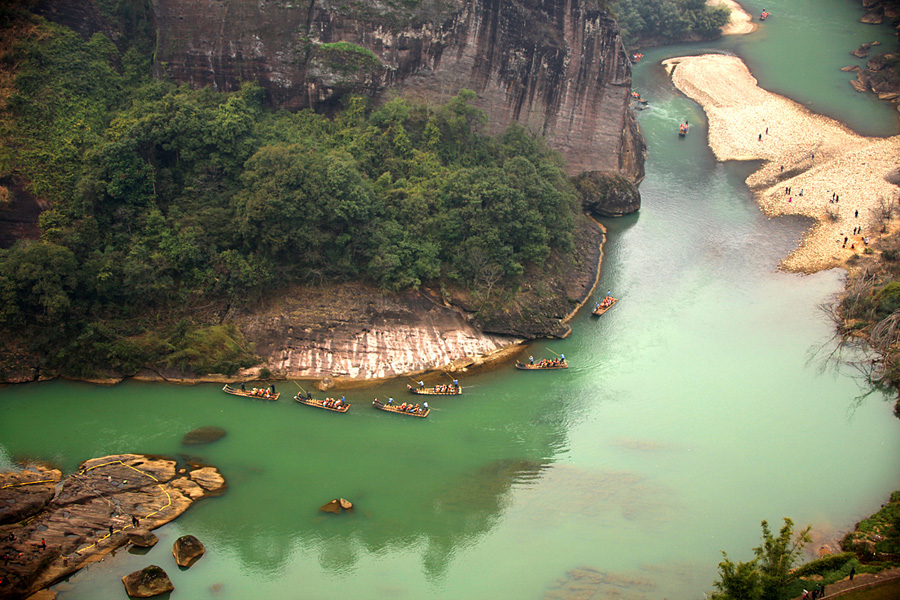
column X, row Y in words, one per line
column 607, row 194
column 142, row 538
column 149, row 581
column 187, row 550
column 203, row 435
column 336, row 506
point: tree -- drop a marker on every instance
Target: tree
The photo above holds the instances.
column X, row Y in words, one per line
column 769, row 573
column 739, row 581
column 777, row 556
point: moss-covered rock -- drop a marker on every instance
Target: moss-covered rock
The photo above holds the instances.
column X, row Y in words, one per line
column 149, row 581
column 607, row 194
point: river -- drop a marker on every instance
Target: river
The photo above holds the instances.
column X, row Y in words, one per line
column 701, row 404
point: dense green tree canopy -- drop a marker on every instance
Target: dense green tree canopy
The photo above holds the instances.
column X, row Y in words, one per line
column 656, row 21
column 166, row 201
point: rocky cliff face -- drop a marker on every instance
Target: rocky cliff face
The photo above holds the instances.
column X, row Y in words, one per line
column 556, row 66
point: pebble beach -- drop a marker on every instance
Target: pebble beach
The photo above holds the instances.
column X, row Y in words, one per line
column 812, row 165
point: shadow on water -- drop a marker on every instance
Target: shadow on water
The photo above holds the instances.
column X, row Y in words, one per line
column 427, row 487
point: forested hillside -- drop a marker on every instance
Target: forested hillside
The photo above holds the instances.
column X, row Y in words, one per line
column 170, row 208
column 652, row 22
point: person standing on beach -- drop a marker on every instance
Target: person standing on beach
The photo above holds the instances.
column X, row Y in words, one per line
column 856, row 213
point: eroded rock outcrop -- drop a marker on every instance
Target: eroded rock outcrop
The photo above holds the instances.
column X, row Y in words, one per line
column 556, row 66
column 148, row 582
column 353, row 330
column 607, row 194
column 86, row 515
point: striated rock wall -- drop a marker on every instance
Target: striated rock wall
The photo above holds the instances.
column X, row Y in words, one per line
column 354, row 331
column 556, row 66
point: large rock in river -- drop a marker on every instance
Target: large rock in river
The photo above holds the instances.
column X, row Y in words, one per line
column 607, row 194
column 149, row 581
column 187, row 550
column 203, row 435
column 142, row 538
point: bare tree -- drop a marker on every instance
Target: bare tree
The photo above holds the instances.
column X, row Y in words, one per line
column 884, row 212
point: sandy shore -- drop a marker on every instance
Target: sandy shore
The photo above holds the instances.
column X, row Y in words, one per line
column 741, row 21
column 814, row 156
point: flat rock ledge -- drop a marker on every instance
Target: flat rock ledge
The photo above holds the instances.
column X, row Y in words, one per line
column 62, row 524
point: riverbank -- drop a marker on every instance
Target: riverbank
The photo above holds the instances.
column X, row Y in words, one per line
column 52, row 527
column 741, row 22
column 813, row 166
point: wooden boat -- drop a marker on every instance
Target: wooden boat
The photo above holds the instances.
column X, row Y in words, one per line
column 447, row 390
column 314, row 402
column 396, row 409
column 604, row 307
column 249, row 394
column 539, row 366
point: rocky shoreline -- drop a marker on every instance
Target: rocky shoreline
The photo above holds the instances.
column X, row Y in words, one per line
column 52, row 526
column 353, row 334
column 812, row 166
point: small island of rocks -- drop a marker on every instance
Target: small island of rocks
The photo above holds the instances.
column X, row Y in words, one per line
column 52, row 526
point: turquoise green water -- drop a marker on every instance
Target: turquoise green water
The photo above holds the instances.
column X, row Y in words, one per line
column 700, row 405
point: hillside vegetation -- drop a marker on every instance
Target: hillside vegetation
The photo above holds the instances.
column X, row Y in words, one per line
column 171, row 208
column 652, row 22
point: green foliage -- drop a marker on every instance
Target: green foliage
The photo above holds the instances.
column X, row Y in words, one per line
column 888, row 299
column 825, row 564
column 655, row 21
column 884, row 526
column 769, row 574
column 169, row 203
column 346, row 57
column 62, row 102
column 38, row 283
column 777, row 555
column 739, row 581
column 213, row 349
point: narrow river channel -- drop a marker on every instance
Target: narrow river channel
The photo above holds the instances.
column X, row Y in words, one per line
column 700, row 405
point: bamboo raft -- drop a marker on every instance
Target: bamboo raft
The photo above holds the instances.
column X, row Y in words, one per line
column 315, row 403
column 448, row 390
column 540, row 367
column 235, row 392
column 395, row 409
column 603, row 308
